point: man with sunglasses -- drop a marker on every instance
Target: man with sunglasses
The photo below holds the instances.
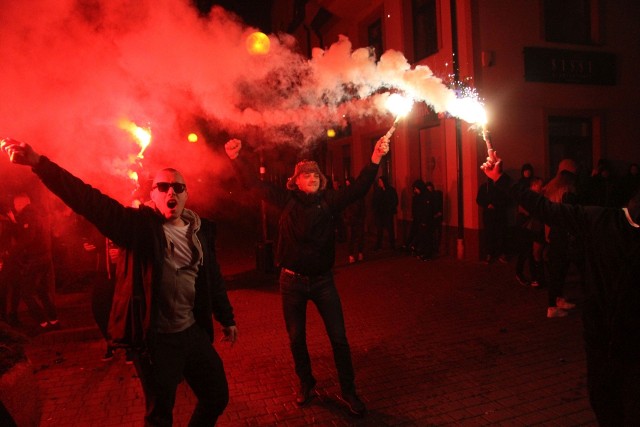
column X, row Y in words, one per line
column 168, row 286
column 306, row 254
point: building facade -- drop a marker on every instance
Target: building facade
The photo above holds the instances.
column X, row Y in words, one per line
column 558, row 80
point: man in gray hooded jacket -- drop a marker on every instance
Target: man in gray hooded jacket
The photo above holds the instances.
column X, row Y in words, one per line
column 168, row 286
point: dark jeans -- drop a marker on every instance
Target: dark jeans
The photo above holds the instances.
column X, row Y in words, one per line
column 101, row 299
column 356, row 239
column 187, row 354
column 385, row 222
column 296, row 290
column 559, row 262
column 37, row 291
column 495, row 234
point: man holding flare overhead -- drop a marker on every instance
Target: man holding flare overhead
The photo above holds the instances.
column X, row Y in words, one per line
column 168, row 286
column 306, row 255
column 611, row 312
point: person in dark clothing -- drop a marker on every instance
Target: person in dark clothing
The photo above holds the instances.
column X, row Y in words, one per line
column 602, row 187
column 7, row 275
column 564, row 247
column 536, row 234
column 306, row 255
column 103, row 286
column 385, row 205
column 494, row 206
column 523, row 239
column 354, row 218
column 438, row 215
column 420, row 240
column 611, row 315
column 32, row 255
column 168, row 286
column 418, row 215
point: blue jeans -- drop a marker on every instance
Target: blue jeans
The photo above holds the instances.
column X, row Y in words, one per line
column 296, row 290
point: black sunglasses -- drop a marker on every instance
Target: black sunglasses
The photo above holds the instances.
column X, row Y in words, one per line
column 163, row 187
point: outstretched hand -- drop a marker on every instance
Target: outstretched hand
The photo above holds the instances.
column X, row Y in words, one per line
column 380, row 150
column 232, row 148
column 493, row 166
column 19, row 153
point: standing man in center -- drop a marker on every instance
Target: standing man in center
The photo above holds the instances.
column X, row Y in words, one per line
column 306, row 255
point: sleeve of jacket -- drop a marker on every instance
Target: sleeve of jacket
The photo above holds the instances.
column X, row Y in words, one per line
column 348, row 194
column 114, row 220
column 220, row 304
column 250, row 180
column 482, row 197
column 570, row 217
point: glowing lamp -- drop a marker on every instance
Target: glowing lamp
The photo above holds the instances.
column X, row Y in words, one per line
column 258, row 43
column 192, row 137
column 331, row 133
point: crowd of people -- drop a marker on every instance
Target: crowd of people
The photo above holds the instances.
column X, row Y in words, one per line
column 160, row 285
column 553, row 253
column 26, row 264
column 606, row 243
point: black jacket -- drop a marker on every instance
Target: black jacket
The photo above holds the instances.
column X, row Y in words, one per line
column 139, row 232
column 612, row 249
column 306, row 230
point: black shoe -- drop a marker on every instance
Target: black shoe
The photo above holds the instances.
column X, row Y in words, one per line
column 306, row 393
column 129, row 356
column 356, row 407
column 108, row 355
column 522, row 281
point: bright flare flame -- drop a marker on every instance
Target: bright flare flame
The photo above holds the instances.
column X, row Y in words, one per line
column 141, row 135
column 331, row 133
column 469, row 109
column 399, row 105
column 192, row 137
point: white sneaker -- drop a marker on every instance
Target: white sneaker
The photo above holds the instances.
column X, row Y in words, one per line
column 351, row 259
column 535, row 284
column 556, row 312
column 563, row 304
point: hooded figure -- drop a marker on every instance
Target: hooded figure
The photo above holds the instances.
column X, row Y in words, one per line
column 385, row 204
column 611, row 305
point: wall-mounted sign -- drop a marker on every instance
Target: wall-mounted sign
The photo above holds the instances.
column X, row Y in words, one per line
column 569, row 66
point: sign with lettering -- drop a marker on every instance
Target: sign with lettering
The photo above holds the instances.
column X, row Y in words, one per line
column 569, row 66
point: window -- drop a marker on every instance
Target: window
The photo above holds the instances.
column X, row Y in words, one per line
column 569, row 21
column 374, row 37
column 425, row 28
column 570, row 137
